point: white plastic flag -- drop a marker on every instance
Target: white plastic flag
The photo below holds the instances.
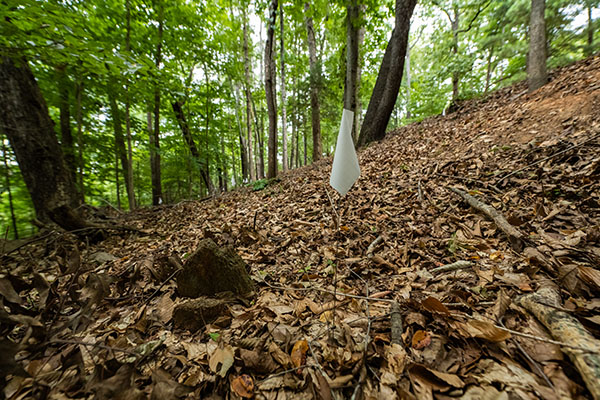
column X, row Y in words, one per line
column 345, row 170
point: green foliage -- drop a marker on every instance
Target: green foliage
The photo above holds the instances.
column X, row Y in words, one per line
column 111, row 47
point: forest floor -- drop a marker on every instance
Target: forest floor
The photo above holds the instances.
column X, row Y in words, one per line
column 96, row 319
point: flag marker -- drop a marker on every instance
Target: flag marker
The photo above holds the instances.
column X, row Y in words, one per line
column 345, row 170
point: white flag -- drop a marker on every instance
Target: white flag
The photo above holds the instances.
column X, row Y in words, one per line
column 345, row 170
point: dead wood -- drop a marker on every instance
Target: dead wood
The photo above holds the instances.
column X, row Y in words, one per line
column 455, row 266
column 516, row 239
column 396, row 322
column 566, row 328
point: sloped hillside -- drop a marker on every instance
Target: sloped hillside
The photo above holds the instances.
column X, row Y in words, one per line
column 349, row 289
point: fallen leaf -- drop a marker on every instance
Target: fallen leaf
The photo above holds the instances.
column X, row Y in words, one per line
column 421, row 339
column 243, row 386
column 298, row 354
column 434, row 305
column 221, row 360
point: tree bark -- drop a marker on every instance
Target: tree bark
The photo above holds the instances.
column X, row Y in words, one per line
column 66, row 135
column 389, row 78
column 283, row 108
column 30, row 130
column 590, row 29
column 315, row 106
column 352, row 51
column 455, row 74
column 248, row 91
column 537, row 75
column 120, row 146
column 189, row 140
column 13, row 218
column 79, row 117
column 270, row 91
column 129, row 172
column 155, row 133
column 246, row 165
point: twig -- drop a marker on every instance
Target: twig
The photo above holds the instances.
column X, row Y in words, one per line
column 372, row 246
column 515, row 237
column 161, row 285
column 363, row 372
column 462, row 264
column 548, row 158
column 419, row 191
column 531, row 360
column 339, row 218
column 396, row 322
column 285, row 372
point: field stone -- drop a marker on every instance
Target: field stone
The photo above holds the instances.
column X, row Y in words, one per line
column 194, row 314
column 212, row 269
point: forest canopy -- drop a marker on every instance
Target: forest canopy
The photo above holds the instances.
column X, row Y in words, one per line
column 154, row 102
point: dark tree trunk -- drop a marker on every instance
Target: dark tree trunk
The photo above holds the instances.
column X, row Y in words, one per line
column 8, row 189
column 284, row 143
column 129, row 172
column 248, row 91
column 66, row 135
column 79, row 117
column 389, row 78
column 155, row 133
column 352, row 51
column 315, row 77
column 30, row 130
column 537, row 75
column 120, row 147
column 189, row 140
column 590, row 29
column 270, row 78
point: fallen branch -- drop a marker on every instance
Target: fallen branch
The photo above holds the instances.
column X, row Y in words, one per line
column 396, row 322
column 516, row 238
column 455, row 266
column 566, row 328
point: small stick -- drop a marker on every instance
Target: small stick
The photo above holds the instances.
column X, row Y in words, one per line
column 372, row 246
column 396, row 322
column 515, row 237
column 455, row 266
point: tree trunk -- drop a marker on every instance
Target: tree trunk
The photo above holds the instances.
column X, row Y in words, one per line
column 29, row 129
column 408, row 88
column 455, row 74
column 283, row 105
column 389, row 78
column 129, row 172
column 248, row 90
column 537, row 75
column 79, row 117
column 246, row 165
column 352, row 51
column 270, row 78
column 120, row 146
column 8, row 189
column 489, row 69
column 155, row 133
column 189, row 140
column 590, row 29
column 315, row 107
column 66, row 136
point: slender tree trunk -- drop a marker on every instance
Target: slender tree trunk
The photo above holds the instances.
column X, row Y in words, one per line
column 25, row 120
column 189, row 140
column 489, row 69
column 155, row 133
column 408, row 83
column 120, row 145
column 79, row 117
column 66, row 135
column 455, row 74
column 223, row 163
column 284, row 143
column 590, row 30
column 270, row 79
column 117, row 180
column 389, row 78
column 314, row 86
column 246, row 165
column 206, row 164
column 8, row 189
column 129, row 173
column 537, row 75
column 352, row 52
column 248, row 90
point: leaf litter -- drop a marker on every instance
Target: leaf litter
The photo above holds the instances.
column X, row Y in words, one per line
column 95, row 320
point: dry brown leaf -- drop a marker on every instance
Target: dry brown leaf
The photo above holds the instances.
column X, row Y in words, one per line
column 243, row 386
column 434, row 305
column 590, row 275
column 298, row 354
column 221, row 360
column 421, row 339
column 484, row 330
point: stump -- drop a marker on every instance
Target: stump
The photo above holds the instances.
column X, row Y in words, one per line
column 194, row 314
column 213, row 269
